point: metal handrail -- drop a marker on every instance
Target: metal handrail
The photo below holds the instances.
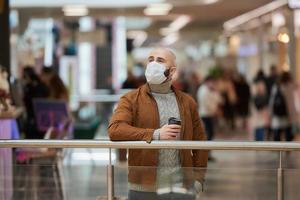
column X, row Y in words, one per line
column 206, row 145
column 218, row 145
column 102, row 98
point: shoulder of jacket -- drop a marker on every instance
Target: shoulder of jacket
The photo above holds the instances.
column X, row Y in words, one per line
column 186, row 97
column 130, row 94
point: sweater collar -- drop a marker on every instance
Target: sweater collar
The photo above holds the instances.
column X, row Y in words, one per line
column 146, row 89
column 163, row 88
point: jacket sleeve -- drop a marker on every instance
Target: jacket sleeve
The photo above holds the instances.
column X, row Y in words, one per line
column 121, row 124
column 200, row 157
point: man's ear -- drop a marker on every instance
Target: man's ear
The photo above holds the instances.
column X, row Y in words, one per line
column 172, row 71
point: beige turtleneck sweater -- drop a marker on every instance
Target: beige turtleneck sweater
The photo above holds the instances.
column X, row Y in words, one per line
column 168, row 169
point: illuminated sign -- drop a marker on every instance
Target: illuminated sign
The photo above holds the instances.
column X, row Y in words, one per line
column 294, row 4
column 50, row 113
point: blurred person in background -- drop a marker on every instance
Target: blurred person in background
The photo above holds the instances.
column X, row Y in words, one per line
column 229, row 99
column 260, row 76
column 192, row 84
column 279, row 108
column 260, row 118
column 272, row 79
column 57, row 88
column 243, row 94
column 296, row 125
column 291, row 94
column 180, row 82
column 138, row 72
column 131, row 81
column 209, row 101
column 46, row 74
column 263, row 79
column 33, row 88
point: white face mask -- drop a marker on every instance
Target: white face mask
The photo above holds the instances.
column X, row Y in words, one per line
column 155, row 73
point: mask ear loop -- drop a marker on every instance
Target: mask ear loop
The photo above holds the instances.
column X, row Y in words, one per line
column 167, row 73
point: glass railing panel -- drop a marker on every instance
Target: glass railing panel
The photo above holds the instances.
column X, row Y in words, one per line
column 81, row 173
column 237, row 183
column 291, row 182
column 53, row 174
column 40, row 181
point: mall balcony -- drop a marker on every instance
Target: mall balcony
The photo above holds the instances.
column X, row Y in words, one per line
column 66, row 65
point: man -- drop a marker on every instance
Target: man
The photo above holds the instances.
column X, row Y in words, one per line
column 209, row 101
column 143, row 114
column 272, row 79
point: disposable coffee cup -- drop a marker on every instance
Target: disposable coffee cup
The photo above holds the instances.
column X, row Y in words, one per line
column 174, row 120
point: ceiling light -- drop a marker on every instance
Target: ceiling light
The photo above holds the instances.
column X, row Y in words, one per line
column 294, row 4
column 176, row 25
column 256, row 13
column 210, row 1
column 180, row 22
column 170, row 39
column 138, row 23
column 158, row 9
column 284, row 38
column 89, row 3
column 75, row 10
column 139, row 37
column 151, row 12
column 165, row 31
column 278, row 19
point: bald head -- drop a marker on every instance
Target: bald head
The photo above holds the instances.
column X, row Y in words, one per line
column 164, row 56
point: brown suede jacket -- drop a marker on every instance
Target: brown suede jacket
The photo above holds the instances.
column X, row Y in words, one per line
column 136, row 117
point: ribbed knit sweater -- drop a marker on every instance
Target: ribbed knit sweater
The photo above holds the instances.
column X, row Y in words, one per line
column 168, row 169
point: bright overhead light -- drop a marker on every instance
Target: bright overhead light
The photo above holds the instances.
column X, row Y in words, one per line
column 75, row 10
column 158, row 9
column 176, row 25
column 139, row 37
column 278, row 19
column 162, row 6
column 165, row 31
column 170, row 39
column 256, row 13
column 284, row 38
column 89, row 3
column 210, row 1
column 152, row 12
column 138, row 23
column 180, row 22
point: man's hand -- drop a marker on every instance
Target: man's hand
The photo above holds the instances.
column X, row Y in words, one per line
column 199, row 186
column 169, row 132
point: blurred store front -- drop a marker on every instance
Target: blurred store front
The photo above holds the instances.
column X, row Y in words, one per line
column 102, row 40
column 266, row 36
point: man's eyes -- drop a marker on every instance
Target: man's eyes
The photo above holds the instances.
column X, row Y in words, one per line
column 160, row 60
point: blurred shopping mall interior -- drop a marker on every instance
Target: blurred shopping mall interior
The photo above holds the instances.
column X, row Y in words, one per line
column 64, row 64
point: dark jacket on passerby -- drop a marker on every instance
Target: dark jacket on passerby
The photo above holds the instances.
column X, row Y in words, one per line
column 243, row 98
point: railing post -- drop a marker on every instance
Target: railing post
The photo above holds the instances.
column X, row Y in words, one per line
column 110, row 178
column 280, row 180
